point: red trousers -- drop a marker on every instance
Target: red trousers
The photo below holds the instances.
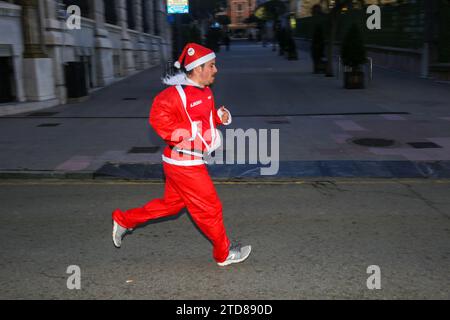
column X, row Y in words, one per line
column 189, row 187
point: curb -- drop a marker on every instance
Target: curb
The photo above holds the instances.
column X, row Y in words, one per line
column 289, row 171
column 38, row 175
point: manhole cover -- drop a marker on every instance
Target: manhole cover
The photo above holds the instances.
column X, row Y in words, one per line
column 374, row 142
column 144, row 150
column 424, row 145
column 48, row 125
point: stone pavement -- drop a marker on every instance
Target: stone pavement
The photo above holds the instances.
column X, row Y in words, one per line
column 317, row 120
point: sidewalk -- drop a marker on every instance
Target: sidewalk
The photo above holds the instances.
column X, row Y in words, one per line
column 317, row 121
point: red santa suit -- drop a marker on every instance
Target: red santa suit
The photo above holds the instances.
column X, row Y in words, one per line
column 184, row 116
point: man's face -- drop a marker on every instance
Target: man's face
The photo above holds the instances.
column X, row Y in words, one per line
column 207, row 73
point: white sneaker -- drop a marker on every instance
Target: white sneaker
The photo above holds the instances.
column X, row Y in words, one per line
column 118, row 233
column 237, row 254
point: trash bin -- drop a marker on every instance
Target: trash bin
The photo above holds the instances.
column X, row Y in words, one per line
column 75, row 80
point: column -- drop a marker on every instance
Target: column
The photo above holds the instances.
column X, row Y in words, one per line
column 142, row 57
column 39, row 81
column 150, row 16
column 127, row 65
column 59, row 46
column 166, row 32
column 150, row 12
column 163, row 30
column 103, row 46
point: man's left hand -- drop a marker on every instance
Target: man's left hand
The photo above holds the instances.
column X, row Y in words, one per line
column 225, row 115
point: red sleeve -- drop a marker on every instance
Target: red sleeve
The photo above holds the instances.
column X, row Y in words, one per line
column 217, row 119
column 165, row 118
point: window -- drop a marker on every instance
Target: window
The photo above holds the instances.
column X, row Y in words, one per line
column 110, row 11
column 145, row 24
column 130, row 14
column 6, row 79
column 155, row 18
column 83, row 4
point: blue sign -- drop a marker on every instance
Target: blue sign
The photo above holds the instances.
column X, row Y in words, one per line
column 177, row 6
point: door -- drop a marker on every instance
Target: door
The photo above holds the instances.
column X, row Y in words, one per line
column 6, row 78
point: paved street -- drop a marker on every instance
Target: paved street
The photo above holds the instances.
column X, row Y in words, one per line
column 333, row 209
column 311, row 240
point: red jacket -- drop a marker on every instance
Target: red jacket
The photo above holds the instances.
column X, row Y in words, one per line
column 171, row 121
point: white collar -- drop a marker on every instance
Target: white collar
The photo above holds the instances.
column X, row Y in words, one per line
column 194, row 83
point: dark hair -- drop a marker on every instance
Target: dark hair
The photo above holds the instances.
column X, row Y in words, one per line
column 190, row 72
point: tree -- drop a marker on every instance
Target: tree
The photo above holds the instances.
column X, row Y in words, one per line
column 334, row 12
column 271, row 10
column 224, row 20
column 353, row 51
column 204, row 9
column 317, row 46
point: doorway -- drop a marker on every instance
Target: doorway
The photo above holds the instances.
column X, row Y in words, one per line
column 6, row 80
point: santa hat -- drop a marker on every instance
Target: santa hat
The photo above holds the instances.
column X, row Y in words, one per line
column 194, row 55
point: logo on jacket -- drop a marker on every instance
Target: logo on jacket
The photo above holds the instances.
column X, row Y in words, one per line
column 196, row 103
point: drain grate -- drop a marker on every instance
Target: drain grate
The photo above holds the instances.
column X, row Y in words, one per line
column 144, row 150
column 424, row 145
column 42, row 114
column 374, row 142
column 48, row 125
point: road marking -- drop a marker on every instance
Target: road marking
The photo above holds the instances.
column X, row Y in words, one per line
column 349, row 125
column 76, row 163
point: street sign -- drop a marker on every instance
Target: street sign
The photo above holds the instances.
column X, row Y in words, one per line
column 177, row 6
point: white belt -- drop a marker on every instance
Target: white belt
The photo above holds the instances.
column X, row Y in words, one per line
column 183, row 163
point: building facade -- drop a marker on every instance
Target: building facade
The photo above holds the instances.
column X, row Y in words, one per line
column 239, row 11
column 115, row 39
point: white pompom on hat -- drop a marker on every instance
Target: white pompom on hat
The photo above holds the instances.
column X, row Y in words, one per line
column 194, row 55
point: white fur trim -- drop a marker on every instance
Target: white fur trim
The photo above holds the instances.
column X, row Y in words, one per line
column 177, row 65
column 200, row 61
column 200, row 155
column 179, row 79
column 183, row 163
column 220, row 114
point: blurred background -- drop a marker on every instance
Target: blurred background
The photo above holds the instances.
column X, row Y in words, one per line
column 45, row 63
